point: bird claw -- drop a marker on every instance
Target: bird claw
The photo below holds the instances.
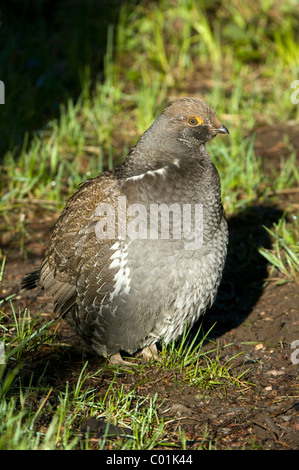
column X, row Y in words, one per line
column 150, row 353
column 147, row 354
column 117, row 360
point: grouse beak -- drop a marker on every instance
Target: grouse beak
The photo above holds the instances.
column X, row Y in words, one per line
column 222, row 130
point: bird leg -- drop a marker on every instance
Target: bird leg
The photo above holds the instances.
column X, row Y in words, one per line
column 117, row 360
column 150, row 352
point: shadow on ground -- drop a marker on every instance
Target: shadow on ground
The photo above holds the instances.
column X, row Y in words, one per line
column 245, row 270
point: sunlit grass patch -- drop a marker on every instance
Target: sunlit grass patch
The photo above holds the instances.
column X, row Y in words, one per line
column 284, row 253
column 201, row 368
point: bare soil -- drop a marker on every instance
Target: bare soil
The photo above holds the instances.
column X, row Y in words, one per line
column 256, row 320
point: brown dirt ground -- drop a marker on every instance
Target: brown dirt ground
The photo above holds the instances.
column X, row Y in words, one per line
column 257, row 320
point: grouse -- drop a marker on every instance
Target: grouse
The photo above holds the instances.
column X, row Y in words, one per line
column 138, row 252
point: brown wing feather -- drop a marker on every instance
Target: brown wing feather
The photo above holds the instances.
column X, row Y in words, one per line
column 72, row 244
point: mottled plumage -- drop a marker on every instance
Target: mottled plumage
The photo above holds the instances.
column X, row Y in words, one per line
column 123, row 293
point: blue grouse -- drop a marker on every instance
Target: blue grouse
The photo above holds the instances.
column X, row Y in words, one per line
column 138, row 252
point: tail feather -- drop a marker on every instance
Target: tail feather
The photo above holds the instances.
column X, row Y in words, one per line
column 31, row 280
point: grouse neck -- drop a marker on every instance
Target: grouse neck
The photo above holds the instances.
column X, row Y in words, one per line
column 184, row 161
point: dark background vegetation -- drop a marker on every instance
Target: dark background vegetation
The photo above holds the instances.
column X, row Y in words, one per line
column 49, row 48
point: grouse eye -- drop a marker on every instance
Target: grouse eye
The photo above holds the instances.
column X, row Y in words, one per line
column 194, row 121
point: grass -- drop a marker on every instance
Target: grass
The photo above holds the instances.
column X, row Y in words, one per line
column 242, row 59
column 284, row 254
column 200, row 367
column 28, row 401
